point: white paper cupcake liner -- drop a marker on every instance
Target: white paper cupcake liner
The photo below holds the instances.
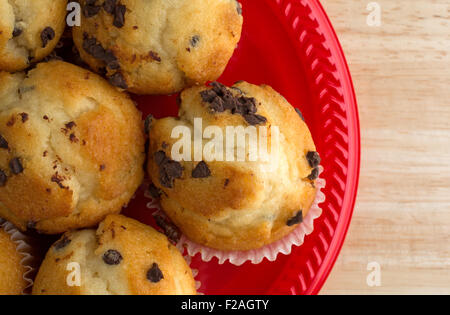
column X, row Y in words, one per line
column 195, row 273
column 23, row 249
column 256, row 256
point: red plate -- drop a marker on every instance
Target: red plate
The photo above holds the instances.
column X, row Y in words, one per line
column 290, row 45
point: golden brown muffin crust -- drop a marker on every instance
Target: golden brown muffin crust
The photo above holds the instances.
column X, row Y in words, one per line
column 23, row 25
column 78, row 145
column 242, row 205
column 148, row 263
column 162, row 46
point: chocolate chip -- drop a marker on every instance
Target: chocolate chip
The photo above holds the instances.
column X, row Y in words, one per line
column 221, row 99
column 160, row 156
column 300, row 114
column 298, row 218
column 314, row 174
column 91, row 10
column 110, row 6
column 15, row 166
column 154, row 191
column 201, row 170
column 216, row 103
column 3, row 143
column 118, row 80
column 73, row 138
column 11, row 121
column 3, row 179
column 313, row 158
column 255, row 119
column 62, row 242
column 112, row 257
column 24, row 117
column 154, row 274
column 169, row 229
column 119, row 15
column 173, row 169
column 169, row 170
column 247, row 105
column 96, row 50
column 17, row 31
column 70, row 125
column 47, row 35
column 58, row 179
column 102, row 167
column 114, row 65
column 155, row 56
column 110, row 59
column 195, row 40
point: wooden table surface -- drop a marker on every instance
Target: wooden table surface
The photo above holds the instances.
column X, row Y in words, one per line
column 401, row 72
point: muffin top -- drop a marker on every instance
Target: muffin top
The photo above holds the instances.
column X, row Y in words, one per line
column 29, row 30
column 239, row 203
column 71, row 148
column 158, row 46
column 122, row 257
column 11, row 269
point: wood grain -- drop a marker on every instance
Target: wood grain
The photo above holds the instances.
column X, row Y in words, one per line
column 401, row 72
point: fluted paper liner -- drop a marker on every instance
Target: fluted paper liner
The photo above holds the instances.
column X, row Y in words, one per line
column 256, row 256
column 23, row 249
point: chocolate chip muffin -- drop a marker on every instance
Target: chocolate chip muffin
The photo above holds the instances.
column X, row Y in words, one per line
column 11, row 269
column 71, row 148
column 158, row 46
column 29, row 31
column 123, row 257
column 232, row 201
